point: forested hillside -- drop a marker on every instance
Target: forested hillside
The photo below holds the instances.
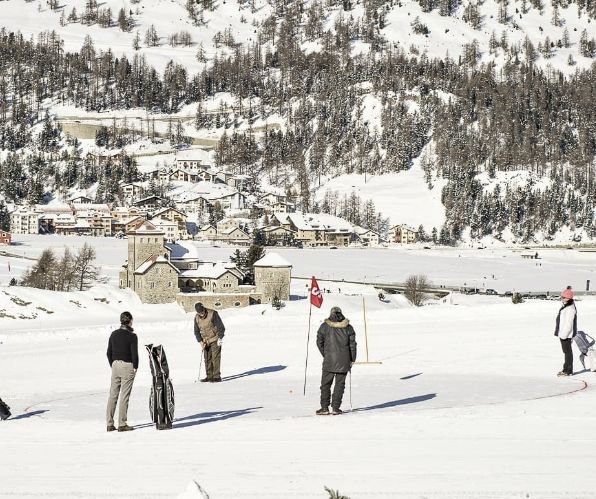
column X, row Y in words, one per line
column 494, row 101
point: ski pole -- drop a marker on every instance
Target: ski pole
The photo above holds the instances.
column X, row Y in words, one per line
column 201, row 363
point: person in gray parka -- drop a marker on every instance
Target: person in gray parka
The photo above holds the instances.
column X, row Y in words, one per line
column 336, row 340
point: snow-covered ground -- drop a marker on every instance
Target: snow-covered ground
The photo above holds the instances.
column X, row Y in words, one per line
column 496, row 268
column 465, row 403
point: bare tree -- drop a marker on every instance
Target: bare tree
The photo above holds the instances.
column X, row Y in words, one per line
column 86, row 273
column 416, row 285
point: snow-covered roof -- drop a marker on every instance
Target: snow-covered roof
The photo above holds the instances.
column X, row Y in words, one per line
column 320, row 221
column 192, row 155
column 183, row 250
column 152, row 260
column 272, row 260
column 211, row 271
column 91, row 207
column 162, row 222
column 146, row 227
column 231, row 230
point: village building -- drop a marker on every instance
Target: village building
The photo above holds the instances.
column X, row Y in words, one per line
column 402, row 234
column 149, row 203
column 175, row 216
column 132, row 191
column 207, row 233
column 81, row 200
column 318, row 229
column 234, row 235
column 278, row 235
column 5, row 237
column 24, row 221
column 369, row 237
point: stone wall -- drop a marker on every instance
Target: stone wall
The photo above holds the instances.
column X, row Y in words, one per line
column 158, row 284
column 216, row 301
column 273, row 281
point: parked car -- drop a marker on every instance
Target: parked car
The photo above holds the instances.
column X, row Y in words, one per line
column 490, row 291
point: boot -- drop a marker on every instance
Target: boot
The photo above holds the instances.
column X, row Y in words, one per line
column 205, row 380
column 336, row 412
column 323, row 411
column 125, row 428
column 111, row 428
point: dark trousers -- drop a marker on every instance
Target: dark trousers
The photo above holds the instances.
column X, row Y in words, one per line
column 338, row 390
column 212, row 361
column 568, row 365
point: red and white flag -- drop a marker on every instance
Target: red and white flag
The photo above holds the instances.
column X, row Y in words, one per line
column 316, row 297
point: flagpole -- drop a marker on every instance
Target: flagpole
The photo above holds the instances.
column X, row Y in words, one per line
column 307, row 341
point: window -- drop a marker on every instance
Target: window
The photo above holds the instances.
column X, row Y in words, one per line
column 236, row 303
column 152, row 285
column 141, row 239
column 217, row 304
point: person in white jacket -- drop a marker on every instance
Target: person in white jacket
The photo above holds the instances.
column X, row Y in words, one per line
column 566, row 329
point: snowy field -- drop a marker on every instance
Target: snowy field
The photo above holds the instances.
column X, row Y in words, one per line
column 465, row 402
column 555, row 269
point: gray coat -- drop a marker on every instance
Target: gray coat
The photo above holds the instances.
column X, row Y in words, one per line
column 336, row 340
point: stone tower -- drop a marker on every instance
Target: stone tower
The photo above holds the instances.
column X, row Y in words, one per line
column 272, row 277
column 143, row 242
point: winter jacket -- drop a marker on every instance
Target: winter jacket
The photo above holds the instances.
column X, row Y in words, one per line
column 566, row 325
column 123, row 345
column 336, row 340
column 209, row 329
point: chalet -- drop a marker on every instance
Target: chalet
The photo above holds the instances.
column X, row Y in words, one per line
column 403, row 234
column 369, row 237
column 207, row 232
column 150, row 203
column 132, row 190
column 81, row 200
column 175, row 216
column 194, row 204
column 234, row 235
column 278, row 235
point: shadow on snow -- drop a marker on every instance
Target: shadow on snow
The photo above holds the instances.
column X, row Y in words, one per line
column 29, row 414
column 211, row 417
column 261, row 370
column 395, row 403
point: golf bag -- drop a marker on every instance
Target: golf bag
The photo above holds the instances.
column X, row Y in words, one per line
column 585, row 344
column 161, row 401
column 4, row 411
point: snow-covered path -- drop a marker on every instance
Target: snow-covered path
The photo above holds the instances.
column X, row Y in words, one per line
column 464, row 404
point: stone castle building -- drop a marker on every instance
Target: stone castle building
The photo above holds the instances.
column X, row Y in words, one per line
column 148, row 270
column 164, row 273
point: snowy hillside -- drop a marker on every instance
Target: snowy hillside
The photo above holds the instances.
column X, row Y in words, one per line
column 447, row 35
column 305, row 98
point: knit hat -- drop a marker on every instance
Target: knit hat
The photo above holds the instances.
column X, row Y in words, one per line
column 125, row 318
column 199, row 308
column 567, row 293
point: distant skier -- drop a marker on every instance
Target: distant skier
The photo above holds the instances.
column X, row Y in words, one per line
column 336, row 340
column 209, row 331
column 123, row 356
column 566, row 329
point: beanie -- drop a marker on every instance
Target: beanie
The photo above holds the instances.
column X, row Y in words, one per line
column 567, row 293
